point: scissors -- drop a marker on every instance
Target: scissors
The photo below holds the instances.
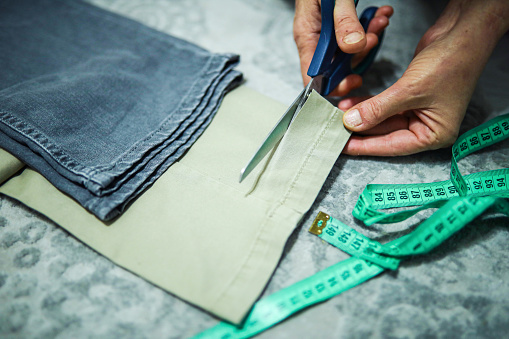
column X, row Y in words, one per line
column 328, row 67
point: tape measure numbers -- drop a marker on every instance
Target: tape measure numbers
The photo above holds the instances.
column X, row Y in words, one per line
column 460, row 200
column 350, row 241
column 476, row 139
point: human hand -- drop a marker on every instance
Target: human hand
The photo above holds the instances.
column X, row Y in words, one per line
column 423, row 110
column 350, row 35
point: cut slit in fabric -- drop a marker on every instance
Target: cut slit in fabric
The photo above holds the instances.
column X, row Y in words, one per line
column 197, row 232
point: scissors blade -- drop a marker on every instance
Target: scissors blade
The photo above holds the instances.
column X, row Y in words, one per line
column 277, row 133
column 282, row 125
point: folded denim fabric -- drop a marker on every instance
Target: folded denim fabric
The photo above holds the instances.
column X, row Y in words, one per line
column 99, row 104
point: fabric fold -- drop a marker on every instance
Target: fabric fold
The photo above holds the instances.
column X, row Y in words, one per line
column 99, row 104
column 197, row 232
column 9, row 165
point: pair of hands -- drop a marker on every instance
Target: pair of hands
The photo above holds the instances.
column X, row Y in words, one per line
column 423, row 110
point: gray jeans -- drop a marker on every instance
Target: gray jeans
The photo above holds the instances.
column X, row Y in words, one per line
column 99, row 104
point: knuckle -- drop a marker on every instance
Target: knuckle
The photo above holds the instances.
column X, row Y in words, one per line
column 433, row 34
column 426, row 39
column 372, row 113
column 298, row 32
column 414, row 89
column 432, row 140
column 410, row 83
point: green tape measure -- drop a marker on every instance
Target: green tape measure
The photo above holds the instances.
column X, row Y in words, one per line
column 476, row 139
column 459, row 200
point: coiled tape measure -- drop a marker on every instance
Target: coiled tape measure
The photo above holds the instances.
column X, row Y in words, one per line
column 460, row 200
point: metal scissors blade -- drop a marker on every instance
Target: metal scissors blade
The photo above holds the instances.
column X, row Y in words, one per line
column 279, row 130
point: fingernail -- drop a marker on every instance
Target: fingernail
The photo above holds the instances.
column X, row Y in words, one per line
column 352, row 38
column 353, row 118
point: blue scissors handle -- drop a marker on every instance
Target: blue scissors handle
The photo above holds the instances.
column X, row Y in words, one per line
column 328, row 59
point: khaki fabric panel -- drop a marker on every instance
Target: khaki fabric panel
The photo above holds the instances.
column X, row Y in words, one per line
column 196, row 232
column 9, row 165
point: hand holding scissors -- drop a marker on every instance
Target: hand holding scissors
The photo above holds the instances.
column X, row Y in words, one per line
column 329, row 66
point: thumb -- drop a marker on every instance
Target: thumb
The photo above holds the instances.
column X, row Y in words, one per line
column 350, row 35
column 373, row 111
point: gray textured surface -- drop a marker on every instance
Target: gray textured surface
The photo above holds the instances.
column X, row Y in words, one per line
column 54, row 286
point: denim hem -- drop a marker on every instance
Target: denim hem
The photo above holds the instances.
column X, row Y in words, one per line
column 97, row 178
column 212, row 95
column 100, row 104
column 25, row 134
column 117, row 202
column 100, row 177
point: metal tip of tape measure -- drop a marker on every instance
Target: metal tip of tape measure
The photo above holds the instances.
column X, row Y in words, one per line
column 319, row 223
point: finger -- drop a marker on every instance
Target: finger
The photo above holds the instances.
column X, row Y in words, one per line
column 350, row 35
column 346, row 85
column 378, row 24
column 371, row 112
column 371, row 42
column 306, row 32
column 387, row 11
column 347, row 103
column 392, row 124
column 306, row 46
column 306, row 55
column 400, row 142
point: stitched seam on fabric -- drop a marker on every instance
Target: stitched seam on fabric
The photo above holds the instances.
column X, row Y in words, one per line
column 114, row 202
column 180, row 110
column 277, row 207
column 43, row 142
column 179, row 132
column 306, row 160
column 254, row 243
column 74, row 166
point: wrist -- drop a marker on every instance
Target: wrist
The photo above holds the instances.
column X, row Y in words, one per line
column 488, row 18
column 471, row 29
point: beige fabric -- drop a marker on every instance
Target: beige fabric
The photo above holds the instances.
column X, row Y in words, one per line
column 197, row 232
column 9, row 165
